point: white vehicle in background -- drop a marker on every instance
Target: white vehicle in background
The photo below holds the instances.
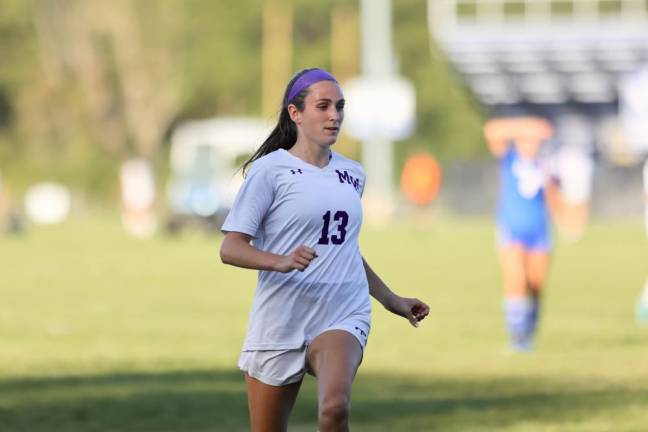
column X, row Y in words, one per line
column 204, row 159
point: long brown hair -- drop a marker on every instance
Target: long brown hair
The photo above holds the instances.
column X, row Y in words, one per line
column 284, row 135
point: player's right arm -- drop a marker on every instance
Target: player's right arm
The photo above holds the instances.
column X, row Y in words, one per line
column 554, row 200
column 500, row 132
column 236, row 250
column 498, row 136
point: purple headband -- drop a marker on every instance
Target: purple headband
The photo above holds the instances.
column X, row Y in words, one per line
column 306, row 80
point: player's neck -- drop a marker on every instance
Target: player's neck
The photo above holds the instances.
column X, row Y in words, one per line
column 311, row 153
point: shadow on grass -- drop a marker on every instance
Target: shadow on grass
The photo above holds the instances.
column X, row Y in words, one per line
column 216, row 401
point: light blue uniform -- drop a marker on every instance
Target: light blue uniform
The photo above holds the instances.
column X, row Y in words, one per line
column 522, row 216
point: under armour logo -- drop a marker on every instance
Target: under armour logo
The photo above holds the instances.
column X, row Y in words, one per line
column 296, row 171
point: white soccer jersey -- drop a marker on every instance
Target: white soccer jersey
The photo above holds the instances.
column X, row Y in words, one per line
column 285, row 202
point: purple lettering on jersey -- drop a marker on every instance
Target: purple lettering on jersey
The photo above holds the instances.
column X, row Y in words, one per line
column 343, row 218
column 344, row 177
column 340, row 216
column 324, row 240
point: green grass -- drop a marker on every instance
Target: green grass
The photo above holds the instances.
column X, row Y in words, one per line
column 102, row 332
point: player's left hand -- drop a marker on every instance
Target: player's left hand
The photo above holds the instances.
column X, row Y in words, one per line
column 413, row 309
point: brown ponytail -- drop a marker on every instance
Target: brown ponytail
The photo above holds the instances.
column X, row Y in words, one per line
column 284, row 135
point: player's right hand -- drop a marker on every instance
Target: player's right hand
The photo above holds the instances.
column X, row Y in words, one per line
column 299, row 259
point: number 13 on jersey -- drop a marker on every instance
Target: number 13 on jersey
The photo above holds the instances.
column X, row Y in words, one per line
column 338, row 238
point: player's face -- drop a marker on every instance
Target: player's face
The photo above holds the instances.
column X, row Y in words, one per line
column 323, row 113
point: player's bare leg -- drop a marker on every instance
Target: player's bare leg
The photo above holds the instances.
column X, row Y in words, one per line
column 536, row 269
column 511, row 259
column 517, row 305
column 334, row 357
column 270, row 406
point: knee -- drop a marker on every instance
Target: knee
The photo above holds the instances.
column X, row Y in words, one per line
column 535, row 289
column 334, row 410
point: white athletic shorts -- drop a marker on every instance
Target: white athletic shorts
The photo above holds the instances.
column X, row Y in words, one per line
column 283, row 367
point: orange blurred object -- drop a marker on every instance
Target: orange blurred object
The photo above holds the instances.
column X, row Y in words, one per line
column 421, row 178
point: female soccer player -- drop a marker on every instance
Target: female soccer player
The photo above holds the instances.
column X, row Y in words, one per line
column 300, row 207
column 523, row 227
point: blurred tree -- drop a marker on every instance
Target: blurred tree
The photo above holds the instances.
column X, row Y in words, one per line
column 345, row 58
column 128, row 84
column 84, row 84
column 16, row 52
column 6, row 110
column 277, row 49
column 220, row 58
column 448, row 120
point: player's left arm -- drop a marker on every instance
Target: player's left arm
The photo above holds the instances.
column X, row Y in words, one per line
column 554, row 200
column 411, row 308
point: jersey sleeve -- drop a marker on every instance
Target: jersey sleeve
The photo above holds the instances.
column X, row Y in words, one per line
column 363, row 180
column 251, row 203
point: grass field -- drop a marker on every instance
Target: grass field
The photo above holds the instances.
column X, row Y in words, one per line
column 102, row 332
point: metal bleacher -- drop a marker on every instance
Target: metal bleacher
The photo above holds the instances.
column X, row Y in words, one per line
column 513, row 52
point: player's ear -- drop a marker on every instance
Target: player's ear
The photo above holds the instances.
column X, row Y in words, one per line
column 295, row 114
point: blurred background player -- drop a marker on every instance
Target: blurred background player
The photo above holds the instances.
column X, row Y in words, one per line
column 523, row 227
